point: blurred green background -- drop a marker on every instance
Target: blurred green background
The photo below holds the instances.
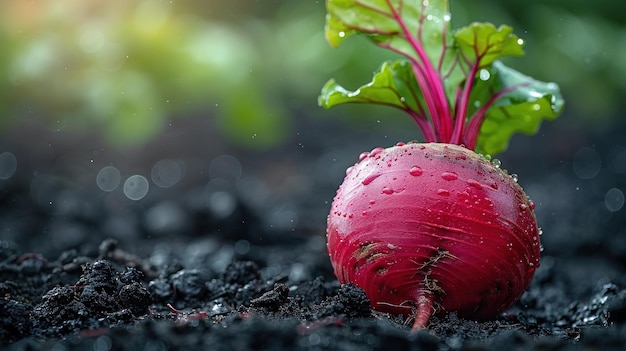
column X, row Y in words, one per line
column 128, row 68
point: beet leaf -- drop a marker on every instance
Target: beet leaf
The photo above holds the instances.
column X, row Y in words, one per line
column 452, row 83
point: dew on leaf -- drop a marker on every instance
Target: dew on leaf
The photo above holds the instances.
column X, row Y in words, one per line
column 484, row 75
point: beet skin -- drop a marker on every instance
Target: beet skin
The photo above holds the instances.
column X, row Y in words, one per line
column 432, row 228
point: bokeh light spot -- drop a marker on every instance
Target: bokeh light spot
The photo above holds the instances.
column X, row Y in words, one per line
column 586, row 163
column 8, row 165
column 136, row 187
column 614, row 199
column 108, row 178
column 166, row 173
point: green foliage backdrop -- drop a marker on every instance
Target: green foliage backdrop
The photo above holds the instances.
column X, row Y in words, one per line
column 128, row 68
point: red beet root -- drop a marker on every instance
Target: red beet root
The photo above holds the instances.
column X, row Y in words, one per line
column 433, row 227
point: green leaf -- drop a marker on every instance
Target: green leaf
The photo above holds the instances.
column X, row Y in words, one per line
column 521, row 110
column 484, row 43
column 376, row 19
column 393, row 85
column 452, row 85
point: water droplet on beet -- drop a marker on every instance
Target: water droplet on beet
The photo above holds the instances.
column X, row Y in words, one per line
column 376, row 151
column 496, row 163
column 443, row 192
column 400, row 143
column 514, row 177
column 474, row 184
column 532, row 204
column 363, row 156
column 449, row 176
column 387, row 191
column 372, row 202
column 370, row 178
column 523, row 206
column 364, row 213
column 416, row 171
column 349, row 169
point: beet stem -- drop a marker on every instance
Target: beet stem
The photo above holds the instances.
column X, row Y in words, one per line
column 425, row 308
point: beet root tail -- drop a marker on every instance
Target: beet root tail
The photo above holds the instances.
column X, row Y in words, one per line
column 425, row 308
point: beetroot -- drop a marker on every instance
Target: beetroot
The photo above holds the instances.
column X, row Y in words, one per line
column 435, row 227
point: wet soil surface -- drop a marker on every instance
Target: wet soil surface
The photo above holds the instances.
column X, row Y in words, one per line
column 241, row 264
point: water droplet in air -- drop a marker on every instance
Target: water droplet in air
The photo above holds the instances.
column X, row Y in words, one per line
column 415, row 171
column 449, row 176
column 370, row 178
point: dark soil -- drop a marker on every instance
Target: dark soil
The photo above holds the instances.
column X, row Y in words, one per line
column 81, row 269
